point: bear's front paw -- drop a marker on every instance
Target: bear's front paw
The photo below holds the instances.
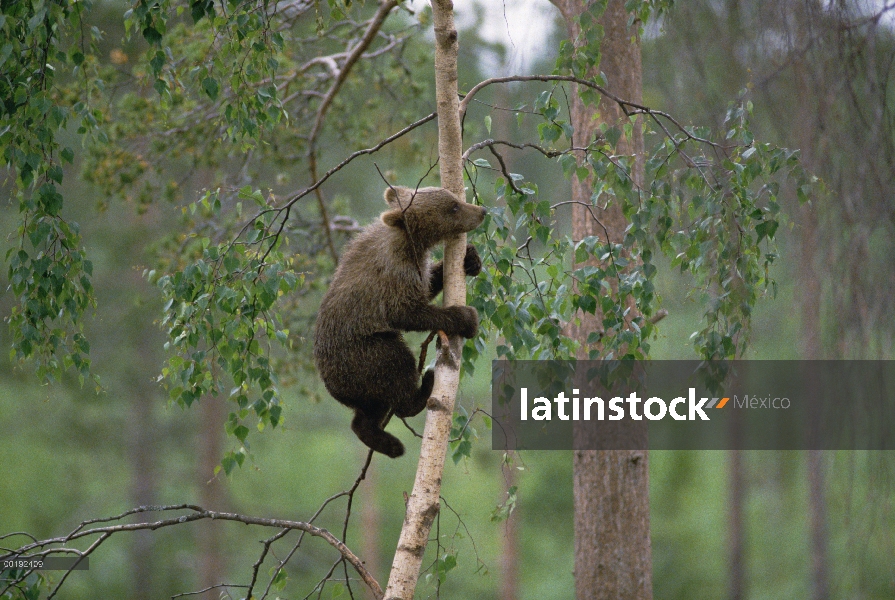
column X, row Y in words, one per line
column 470, row 324
column 472, row 264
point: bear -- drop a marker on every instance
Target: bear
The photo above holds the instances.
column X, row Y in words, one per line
column 382, row 287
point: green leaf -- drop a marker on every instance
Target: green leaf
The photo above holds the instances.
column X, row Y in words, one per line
column 464, row 448
column 613, row 135
column 445, row 564
column 211, row 87
column 151, row 35
column 228, row 462
column 588, row 304
column 549, row 132
column 55, row 173
column 766, row 229
column 160, row 86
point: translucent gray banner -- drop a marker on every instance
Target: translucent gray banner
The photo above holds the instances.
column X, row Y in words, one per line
column 693, row 405
column 18, row 562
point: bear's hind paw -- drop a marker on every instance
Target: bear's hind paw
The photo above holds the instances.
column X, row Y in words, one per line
column 371, row 434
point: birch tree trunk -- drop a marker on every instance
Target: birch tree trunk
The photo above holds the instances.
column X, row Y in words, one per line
column 423, row 504
column 613, row 557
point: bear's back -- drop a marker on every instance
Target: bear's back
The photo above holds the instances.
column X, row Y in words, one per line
column 375, row 276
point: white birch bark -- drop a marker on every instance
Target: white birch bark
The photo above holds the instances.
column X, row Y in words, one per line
column 423, row 503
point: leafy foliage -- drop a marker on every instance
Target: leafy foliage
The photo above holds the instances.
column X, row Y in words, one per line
column 218, row 317
column 714, row 214
column 238, row 32
column 48, row 270
column 226, row 93
column 213, row 93
column 710, row 205
column 222, row 88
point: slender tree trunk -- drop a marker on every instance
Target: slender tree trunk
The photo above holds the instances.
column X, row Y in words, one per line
column 817, row 508
column 812, row 350
column 213, row 415
column 423, row 503
column 144, row 483
column 143, row 448
column 737, row 545
column 817, row 501
column 613, row 557
column 509, row 560
column 811, row 119
column 738, row 487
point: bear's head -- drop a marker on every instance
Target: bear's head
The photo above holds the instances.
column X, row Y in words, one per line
column 430, row 215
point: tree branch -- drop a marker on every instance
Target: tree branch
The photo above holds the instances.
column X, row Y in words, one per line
column 302, row 193
column 625, row 105
column 354, row 55
column 44, row 547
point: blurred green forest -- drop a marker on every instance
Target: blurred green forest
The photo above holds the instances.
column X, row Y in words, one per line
column 822, row 79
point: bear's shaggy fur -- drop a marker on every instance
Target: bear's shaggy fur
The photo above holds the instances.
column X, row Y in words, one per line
column 383, row 286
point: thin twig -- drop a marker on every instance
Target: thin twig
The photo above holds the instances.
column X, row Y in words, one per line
column 267, row 543
column 503, row 168
column 209, row 588
column 424, row 347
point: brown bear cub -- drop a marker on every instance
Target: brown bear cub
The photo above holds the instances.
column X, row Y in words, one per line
column 383, row 286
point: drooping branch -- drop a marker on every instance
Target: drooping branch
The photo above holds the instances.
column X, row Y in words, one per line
column 630, row 108
column 317, row 183
column 548, row 152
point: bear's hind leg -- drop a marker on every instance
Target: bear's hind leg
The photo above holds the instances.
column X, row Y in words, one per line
column 368, row 428
column 417, row 401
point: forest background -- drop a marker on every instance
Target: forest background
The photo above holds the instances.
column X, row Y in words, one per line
column 820, row 80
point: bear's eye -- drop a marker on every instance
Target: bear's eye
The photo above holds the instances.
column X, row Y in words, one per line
column 455, row 208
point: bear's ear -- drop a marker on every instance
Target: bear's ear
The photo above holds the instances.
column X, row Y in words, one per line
column 391, row 196
column 394, row 218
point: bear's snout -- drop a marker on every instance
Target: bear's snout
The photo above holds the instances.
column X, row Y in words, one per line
column 474, row 215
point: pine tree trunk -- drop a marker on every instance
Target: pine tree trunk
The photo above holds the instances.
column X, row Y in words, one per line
column 613, row 557
column 423, row 503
